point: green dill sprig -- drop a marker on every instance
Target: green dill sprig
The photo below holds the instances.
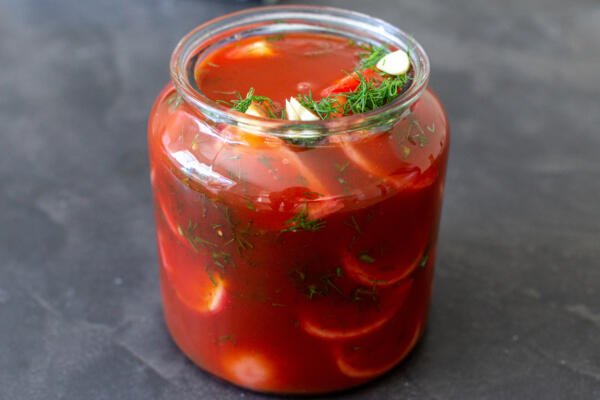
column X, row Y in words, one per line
column 372, row 57
column 189, row 233
column 322, row 108
column 302, row 222
column 242, row 103
column 368, row 96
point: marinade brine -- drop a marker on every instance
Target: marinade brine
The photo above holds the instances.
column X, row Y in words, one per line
column 298, row 258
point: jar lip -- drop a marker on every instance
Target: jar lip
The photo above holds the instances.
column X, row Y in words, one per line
column 191, row 44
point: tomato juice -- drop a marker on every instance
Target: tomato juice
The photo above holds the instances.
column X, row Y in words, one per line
column 291, row 265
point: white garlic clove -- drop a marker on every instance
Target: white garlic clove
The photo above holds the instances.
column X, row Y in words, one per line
column 394, row 63
column 299, row 112
column 256, row 110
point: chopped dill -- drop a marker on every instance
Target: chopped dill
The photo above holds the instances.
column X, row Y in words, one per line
column 221, row 259
column 210, row 276
column 329, row 282
column 425, row 258
column 239, row 236
column 241, row 104
column 341, row 168
column 312, row 291
column 250, row 205
column 368, row 96
column 362, row 293
column 354, row 224
column 302, row 222
column 366, row 258
column 190, row 234
column 372, row 57
column 323, row 108
column 266, row 161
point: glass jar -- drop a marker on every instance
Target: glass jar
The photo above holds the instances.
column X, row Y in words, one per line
column 296, row 266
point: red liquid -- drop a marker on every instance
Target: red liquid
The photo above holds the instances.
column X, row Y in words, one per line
column 250, row 296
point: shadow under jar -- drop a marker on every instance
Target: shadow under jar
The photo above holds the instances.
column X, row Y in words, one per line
column 287, row 265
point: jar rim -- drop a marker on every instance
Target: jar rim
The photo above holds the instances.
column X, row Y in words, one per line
column 349, row 23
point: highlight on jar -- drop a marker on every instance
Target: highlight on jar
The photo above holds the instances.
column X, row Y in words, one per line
column 297, row 165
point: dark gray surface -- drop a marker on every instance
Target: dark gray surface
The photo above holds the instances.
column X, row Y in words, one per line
column 516, row 303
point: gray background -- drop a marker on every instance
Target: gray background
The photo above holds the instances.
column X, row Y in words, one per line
column 516, row 303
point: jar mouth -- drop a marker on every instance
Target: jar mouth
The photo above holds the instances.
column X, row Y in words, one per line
column 281, row 19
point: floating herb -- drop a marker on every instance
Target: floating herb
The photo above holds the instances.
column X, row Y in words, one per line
column 250, row 205
column 341, row 168
column 366, row 258
column 416, row 135
column 372, row 56
column 368, row 96
column 266, row 161
column 425, row 258
column 322, row 108
column 341, row 177
column 354, row 224
column 242, row 103
column 239, row 236
column 362, row 293
column 329, row 282
column 210, row 276
column 302, row 222
column 299, row 274
column 312, row 291
column 194, row 240
column 221, row 259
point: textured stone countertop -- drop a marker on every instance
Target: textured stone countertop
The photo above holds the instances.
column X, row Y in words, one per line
column 516, row 300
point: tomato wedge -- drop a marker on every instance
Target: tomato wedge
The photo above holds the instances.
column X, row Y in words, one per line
column 373, row 156
column 198, row 289
column 379, row 272
column 356, row 361
column 337, row 317
column 350, row 82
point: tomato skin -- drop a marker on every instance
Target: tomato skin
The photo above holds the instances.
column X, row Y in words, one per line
column 350, row 82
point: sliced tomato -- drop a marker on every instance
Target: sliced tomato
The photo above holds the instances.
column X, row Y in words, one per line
column 373, row 157
column 321, row 208
column 266, row 162
column 195, row 286
column 350, row 82
column 370, row 359
column 380, row 271
column 167, row 215
column 341, row 316
column 249, row 369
